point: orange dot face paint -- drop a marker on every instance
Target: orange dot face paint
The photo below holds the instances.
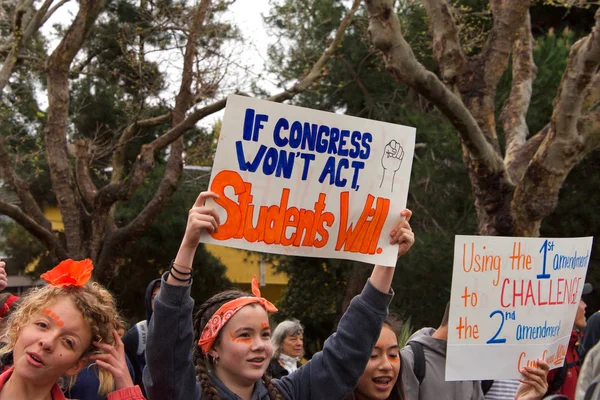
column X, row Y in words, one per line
column 264, row 325
column 239, row 340
column 54, row 317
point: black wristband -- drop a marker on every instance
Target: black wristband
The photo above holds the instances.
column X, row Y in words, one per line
column 188, row 280
column 178, row 271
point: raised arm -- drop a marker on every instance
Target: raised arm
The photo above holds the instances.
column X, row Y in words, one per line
column 334, row 372
column 170, row 371
column 200, row 217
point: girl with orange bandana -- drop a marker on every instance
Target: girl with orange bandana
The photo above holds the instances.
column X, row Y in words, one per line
column 230, row 335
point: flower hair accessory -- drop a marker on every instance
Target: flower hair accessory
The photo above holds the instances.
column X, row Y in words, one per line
column 228, row 310
column 69, row 273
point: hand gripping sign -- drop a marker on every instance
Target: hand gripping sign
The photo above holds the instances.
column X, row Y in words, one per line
column 513, row 301
column 302, row 182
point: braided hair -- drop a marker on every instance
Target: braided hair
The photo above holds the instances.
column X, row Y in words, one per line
column 202, row 362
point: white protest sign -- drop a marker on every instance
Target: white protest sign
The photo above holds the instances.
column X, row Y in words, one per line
column 513, row 301
column 302, row 182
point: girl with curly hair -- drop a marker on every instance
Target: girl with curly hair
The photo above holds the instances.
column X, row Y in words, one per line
column 55, row 331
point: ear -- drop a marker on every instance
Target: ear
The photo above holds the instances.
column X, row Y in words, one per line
column 213, row 353
column 74, row 370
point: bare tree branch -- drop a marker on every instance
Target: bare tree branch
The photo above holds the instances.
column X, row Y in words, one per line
column 174, row 167
column 514, row 113
column 591, row 96
column 87, row 188
column 52, row 11
column 385, row 31
column 22, row 190
column 44, row 235
column 118, row 160
column 582, row 65
column 508, row 18
column 356, row 79
column 447, row 50
column 58, row 67
column 590, row 130
column 316, row 70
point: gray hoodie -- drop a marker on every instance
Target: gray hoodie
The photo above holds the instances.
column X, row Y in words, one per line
column 434, row 384
column 330, row 374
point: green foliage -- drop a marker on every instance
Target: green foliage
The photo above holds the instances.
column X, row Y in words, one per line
column 152, row 253
column 22, row 249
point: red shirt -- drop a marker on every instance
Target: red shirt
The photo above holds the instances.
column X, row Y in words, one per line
column 56, row 393
column 572, row 358
column 130, row 393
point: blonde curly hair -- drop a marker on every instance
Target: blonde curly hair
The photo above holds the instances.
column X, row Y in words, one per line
column 96, row 304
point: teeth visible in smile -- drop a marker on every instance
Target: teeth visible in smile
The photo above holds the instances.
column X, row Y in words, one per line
column 382, row 380
column 35, row 358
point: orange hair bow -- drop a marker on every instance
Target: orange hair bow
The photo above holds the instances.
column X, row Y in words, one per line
column 228, row 310
column 69, row 273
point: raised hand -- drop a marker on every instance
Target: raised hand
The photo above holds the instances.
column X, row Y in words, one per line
column 200, row 217
column 402, row 233
column 113, row 360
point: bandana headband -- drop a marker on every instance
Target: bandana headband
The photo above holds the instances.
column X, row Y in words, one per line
column 228, row 310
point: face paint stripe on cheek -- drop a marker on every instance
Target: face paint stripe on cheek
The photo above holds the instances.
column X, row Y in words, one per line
column 394, row 359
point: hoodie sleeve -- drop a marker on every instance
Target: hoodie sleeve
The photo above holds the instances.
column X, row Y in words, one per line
column 170, row 372
column 334, row 372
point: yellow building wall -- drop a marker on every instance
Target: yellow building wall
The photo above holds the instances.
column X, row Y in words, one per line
column 55, row 218
column 243, row 265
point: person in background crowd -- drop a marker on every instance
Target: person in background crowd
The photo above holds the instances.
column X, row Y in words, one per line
column 591, row 334
column 288, row 348
column 589, row 374
column 564, row 380
column 231, row 336
column 136, row 338
column 56, row 330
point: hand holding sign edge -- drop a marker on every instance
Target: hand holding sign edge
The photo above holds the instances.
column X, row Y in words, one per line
column 381, row 277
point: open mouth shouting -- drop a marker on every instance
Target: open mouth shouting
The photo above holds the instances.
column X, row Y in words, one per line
column 382, row 382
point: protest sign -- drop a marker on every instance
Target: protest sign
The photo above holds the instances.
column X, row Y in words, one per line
column 303, row 182
column 513, row 301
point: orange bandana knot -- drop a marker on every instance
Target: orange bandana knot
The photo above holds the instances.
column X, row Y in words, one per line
column 69, row 273
column 228, row 310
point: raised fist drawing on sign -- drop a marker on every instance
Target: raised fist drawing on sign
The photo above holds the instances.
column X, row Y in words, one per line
column 391, row 161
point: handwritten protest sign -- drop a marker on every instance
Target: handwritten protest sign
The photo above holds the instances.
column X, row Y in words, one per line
column 302, row 182
column 513, row 301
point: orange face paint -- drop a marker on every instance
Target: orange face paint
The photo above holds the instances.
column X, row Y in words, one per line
column 239, row 340
column 52, row 315
column 395, row 359
column 264, row 325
